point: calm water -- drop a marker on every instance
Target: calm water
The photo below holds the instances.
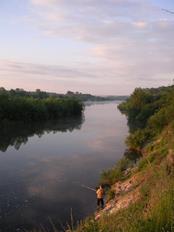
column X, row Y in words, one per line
column 43, row 166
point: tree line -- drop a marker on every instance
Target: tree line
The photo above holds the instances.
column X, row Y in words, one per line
column 28, row 108
column 148, row 112
column 77, row 95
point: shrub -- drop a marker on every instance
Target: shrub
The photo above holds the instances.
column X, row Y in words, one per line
column 116, row 173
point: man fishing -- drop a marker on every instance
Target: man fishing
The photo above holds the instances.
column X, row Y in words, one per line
column 100, row 196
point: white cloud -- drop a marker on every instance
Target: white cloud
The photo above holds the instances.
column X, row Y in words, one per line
column 43, row 2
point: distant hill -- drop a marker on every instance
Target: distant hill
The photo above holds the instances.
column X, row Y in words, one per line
column 43, row 94
column 89, row 97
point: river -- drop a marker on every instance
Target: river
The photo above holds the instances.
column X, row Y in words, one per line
column 43, row 167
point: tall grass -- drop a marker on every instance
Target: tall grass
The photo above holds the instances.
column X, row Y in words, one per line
column 154, row 212
column 110, row 176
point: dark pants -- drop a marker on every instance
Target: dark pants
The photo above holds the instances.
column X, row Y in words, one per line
column 100, row 202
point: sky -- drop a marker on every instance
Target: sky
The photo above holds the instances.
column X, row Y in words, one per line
column 102, row 47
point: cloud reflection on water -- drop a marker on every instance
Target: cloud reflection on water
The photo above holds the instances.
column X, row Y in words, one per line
column 44, row 177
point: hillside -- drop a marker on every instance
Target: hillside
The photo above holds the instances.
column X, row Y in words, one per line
column 39, row 94
column 141, row 194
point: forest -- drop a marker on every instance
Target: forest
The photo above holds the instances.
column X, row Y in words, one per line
column 69, row 94
column 27, row 108
column 148, row 112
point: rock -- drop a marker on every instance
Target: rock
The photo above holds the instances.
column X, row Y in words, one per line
column 126, row 193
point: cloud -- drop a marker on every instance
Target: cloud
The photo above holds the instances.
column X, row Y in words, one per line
column 126, row 43
column 30, row 76
column 43, row 2
column 91, row 20
column 40, row 70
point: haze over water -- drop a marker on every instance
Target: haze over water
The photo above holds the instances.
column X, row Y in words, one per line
column 43, row 179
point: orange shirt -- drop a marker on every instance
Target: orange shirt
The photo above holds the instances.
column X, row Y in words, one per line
column 100, row 193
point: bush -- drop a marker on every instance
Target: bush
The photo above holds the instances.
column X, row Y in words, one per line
column 116, row 173
column 29, row 109
column 148, row 112
column 138, row 139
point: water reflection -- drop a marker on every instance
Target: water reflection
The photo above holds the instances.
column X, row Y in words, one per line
column 43, row 178
column 16, row 134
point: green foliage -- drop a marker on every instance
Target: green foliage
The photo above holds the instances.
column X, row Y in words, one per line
column 148, row 112
column 137, row 139
column 42, row 95
column 110, row 194
column 29, row 109
column 150, row 115
column 133, row 154
column 162, row 215
column 138, row 108
column 142, row 164
column 162, row 118
column 90, row 225
column 154, row 212
column 116, row 173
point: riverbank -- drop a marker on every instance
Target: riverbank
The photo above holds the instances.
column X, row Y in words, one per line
column 142, row 194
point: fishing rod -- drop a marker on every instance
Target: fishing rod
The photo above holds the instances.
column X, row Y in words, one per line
column 87, row 187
